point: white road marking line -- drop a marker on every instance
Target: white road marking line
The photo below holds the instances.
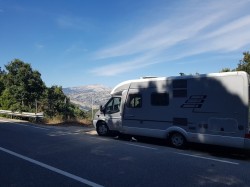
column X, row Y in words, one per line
column 51, row 168
column 207, row 158
column 11, row 122
column 131, row 144
column 103, row 139
column 63, row 133
column 24, row 125
column 141, row 146
column 38, row 127
column 93, row 132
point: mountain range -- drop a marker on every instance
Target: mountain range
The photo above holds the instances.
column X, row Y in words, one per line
column 88, row 96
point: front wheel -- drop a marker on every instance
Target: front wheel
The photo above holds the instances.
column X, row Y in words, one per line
column 178, row 140
column 102, row 129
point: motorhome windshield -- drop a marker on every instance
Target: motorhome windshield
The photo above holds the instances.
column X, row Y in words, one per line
column 113, row 105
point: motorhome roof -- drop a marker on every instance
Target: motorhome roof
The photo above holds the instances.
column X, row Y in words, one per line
column 125, row 85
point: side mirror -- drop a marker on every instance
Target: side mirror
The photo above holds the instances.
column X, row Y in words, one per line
column 102, row 109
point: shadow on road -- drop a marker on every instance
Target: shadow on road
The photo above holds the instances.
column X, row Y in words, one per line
column 218, row 151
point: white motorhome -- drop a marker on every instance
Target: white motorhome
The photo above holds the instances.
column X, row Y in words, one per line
column 210, row 109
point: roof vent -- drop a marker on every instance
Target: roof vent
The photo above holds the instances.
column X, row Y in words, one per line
column 148, row 77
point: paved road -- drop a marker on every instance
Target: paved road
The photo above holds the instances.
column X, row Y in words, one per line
column 33, row 155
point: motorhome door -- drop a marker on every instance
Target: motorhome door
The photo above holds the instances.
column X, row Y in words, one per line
column 132, row 115
column 113, row 113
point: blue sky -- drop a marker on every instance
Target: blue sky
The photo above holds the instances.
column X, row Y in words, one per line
column 82, row 42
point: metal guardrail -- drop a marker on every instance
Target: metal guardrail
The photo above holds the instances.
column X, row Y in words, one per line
column 22, row 114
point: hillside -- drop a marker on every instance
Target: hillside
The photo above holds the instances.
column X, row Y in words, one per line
column 83, row 95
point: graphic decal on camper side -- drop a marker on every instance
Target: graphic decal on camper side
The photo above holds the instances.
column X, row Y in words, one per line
column 194, row 101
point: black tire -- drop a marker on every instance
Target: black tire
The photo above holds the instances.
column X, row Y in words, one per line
column 102, row 129
column 177, row 140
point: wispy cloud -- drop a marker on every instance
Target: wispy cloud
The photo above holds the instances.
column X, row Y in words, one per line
column 125, row 66
column 161, row 36
column 69, row 22
column 75, row 48
column 39, row 46
column 216, row 26
column 242, row 23
column 229, row 37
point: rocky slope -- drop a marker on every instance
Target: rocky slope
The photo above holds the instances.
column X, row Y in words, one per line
column 83, row 95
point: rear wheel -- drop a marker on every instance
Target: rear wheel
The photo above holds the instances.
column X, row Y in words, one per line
column 102, row 129
column 177, row 140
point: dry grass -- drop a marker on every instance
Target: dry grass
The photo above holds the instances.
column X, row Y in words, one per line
column 59, row 121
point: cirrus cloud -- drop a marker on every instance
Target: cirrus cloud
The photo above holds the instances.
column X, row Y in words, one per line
column 213, row 27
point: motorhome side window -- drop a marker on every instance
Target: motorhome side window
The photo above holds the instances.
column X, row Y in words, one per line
column 135, row 101
column 159, row 99
column 113, row 105
column 180, row 88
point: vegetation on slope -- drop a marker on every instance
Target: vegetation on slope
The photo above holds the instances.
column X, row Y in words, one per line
column 23, row 90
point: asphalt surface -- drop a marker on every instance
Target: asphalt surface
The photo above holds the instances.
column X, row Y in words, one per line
column 35, row 155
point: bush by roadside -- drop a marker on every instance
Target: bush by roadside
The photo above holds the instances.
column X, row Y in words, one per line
column 59, row 120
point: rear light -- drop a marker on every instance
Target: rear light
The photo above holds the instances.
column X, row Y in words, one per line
column 247, row 135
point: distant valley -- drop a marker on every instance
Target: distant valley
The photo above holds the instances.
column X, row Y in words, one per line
column 83, row 95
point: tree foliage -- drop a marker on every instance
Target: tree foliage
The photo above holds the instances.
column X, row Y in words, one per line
column 23, row 86
column 55, row 103
column 2, row 73
column 22, row 89
column 243, row 65
column 225, row 70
